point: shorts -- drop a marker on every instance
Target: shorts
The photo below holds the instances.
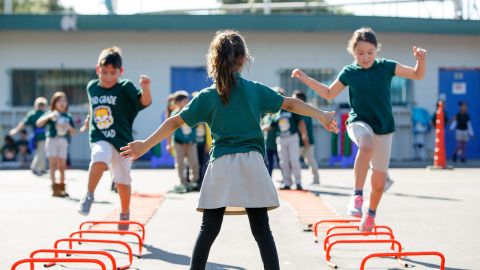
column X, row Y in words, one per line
column 56, row 147
column 461, row 135
column 382, row 144
column 103, row 151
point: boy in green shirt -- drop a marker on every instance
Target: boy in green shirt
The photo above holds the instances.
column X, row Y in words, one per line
column 113, row 105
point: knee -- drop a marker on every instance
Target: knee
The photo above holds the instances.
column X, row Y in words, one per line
column 366, row 148
column 99, row 166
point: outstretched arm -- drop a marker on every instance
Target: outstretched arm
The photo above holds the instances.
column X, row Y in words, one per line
column 20, row 126
column 326, row 92
column 417, row 72
column 325, row 117
column 138, row 148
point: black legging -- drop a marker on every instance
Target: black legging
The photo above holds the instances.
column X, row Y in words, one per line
column 211, row 225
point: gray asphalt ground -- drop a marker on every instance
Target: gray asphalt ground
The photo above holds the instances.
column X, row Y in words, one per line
column 428, row 210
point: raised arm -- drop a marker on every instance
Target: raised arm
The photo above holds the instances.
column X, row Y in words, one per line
column 45, row 118
column 20, row 126
column 299, row 107
column 326, row 92
column 146, row 98
column 138, row 148
column 417, row 72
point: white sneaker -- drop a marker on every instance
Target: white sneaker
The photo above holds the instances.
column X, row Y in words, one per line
column 388, row 184
column 354, row 207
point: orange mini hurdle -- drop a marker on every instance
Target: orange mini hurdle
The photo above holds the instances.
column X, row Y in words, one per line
column 349, row 241
column 327, row 239
column 375, row 228
column 102, row 241
column 58, row 260
column 315, row 226
column 72, row 251
column 400, row 254
column 140, row 241
column 98, row 222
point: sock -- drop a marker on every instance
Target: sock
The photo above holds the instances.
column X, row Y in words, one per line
column 372, row 212
column 89, row 194
column 358, row 192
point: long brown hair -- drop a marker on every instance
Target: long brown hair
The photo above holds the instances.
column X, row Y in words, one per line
column 55, row 97
column 365, row 34
column 226, row 55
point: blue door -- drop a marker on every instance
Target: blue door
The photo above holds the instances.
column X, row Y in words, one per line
column 461, row 85
column 190, row 79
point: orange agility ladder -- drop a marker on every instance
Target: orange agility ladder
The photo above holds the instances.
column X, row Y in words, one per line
column 376, row 228
column 326, row 241
column 334, row 221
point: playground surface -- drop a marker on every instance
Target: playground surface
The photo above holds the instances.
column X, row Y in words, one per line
column 427, row 210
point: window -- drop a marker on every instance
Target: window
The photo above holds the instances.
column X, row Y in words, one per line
column 28, row 84
column 401, row 91
column 323, row 75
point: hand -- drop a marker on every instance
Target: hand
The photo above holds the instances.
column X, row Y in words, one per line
column 85, row 124
column 298, row 73
column 134, row 150
column 419, row 53
column 12, row 132
column 144, row 81
column 53, row 115
column 328, row 121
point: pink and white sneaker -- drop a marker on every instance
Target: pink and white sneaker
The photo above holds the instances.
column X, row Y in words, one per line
column 367, row 223
column 354, row 207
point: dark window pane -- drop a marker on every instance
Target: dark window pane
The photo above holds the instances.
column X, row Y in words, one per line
column 29, row 84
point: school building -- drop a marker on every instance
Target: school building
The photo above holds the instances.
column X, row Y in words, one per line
column 40, row 54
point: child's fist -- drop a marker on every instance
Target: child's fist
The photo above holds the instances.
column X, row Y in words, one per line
column 297, row 73
column 419, row 53
column 328, row 121
column 144, row 81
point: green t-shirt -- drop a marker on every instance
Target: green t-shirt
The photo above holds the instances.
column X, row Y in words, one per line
column 309, row 124
column 271, row 134
column 369, row 93
column 58, row 127
column 184, row 134
column 30, row 120
column 235, row 126
column 286, row 122
column 113, row 111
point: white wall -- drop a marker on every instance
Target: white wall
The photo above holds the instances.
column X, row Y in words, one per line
column 154, row 53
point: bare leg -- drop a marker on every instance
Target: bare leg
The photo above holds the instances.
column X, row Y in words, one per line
column 61, row 165
column 124, row 191
column 362, row 161
column 53, row 167
column 95, row 173
column 378, row 183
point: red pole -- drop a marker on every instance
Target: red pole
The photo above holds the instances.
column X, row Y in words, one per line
column 439, row 157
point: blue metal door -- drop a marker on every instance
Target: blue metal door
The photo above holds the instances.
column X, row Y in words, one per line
column 190, row 79
column 455, row 85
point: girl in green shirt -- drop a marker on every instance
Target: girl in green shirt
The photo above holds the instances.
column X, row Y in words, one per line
column 370, row 124
column 236, row 175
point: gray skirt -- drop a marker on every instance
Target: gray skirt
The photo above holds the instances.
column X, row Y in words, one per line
column 237, row 181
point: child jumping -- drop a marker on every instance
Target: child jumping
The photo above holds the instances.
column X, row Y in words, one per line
column 60, row 126
column 113, row 105
column 236, row 175
column 370, row 124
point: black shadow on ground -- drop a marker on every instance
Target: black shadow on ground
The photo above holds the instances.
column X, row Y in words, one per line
column 159, row 254
column 423, row 197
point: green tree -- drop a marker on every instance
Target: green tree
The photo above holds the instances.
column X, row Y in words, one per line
column 35, row 6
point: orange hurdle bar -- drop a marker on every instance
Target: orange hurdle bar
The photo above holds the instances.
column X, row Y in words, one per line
column 400, row 254
column 57, row 260
column 96, row 222
column 375, row 228
column 329, row 248
column 118, row 242
column 315, row 226
column 72, row 251
column 327, row 239
column 140, row 241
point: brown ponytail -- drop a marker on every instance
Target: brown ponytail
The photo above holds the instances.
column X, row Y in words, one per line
column 226, row 55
